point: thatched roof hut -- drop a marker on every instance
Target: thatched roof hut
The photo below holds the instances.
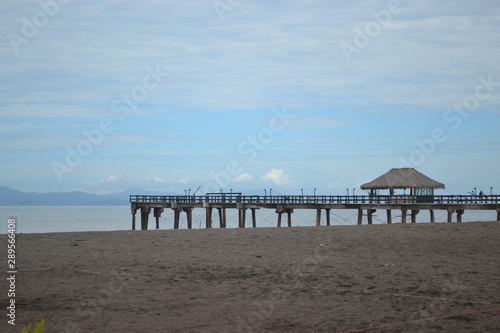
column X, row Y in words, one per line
column 403, row 178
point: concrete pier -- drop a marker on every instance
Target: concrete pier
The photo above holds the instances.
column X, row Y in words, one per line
column 287, row 204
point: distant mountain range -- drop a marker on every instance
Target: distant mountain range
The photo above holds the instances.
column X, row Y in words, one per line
column 10, row 197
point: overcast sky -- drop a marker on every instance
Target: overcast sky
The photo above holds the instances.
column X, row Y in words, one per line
column 102, row 96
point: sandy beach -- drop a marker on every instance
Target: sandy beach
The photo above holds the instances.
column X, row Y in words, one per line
column 378, row 278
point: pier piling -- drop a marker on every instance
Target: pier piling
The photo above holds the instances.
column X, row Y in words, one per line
column 209, row 217
column 279, row 219
column 289, row 214
column 403, row 216
column 318, row 217
column 450, row 215
column 242, row 214
column 414, row 213
column 369, row 215
column 189, row 217
column 157, row 214
column 145, row 217
column 133, row 211
column 177, row 215
column 254, row 220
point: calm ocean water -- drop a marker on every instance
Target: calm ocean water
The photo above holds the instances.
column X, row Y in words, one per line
column 102, row 218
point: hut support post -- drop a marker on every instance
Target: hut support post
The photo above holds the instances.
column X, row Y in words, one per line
column 254, row 220
column 145, row 217
column 389, row 216
column 360, row 216
column 318, row 217
column 327, row 216
column 459, row 215
column 432, row 216
column 403, row 216
column 414, row 213
column 450, row 215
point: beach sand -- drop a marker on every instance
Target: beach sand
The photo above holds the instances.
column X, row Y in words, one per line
column 386, row 278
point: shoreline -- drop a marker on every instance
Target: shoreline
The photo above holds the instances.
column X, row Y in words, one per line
column 250, row 228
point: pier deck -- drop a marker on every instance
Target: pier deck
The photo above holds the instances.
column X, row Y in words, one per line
column 286, row 204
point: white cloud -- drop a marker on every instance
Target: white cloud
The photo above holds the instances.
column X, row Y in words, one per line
column 158, row 180
column 108, row 180
column 277, row 176
column 155, row 179
column 243, row 177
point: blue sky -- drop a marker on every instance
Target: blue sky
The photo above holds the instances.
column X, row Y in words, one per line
column 102, row 96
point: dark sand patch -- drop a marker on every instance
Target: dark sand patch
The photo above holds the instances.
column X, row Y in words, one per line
column 316, row 279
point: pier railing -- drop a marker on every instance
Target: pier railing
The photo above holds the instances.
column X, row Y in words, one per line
column 316, row 199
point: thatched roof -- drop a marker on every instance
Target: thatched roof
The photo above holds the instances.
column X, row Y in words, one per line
column 402, row 178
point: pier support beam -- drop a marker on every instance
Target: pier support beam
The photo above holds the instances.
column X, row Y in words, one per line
column 189, row 217
column 414, row 213
column 450, row 215
column 318, row 217
column 389, row 216
column 360, row 216
column 280, row 209
column 459, row 215
column 222, row 217
column 279, row 219
column 254, row 220
column 432, row 216
column 289, row 215
column 133, row 211
column 177, row 216
column 242, row 212
column 209, row 217
column 369, row 215
column 327, row 216
column 403, row 216
column 498, row 215
column 145, row 217
column 157, row 214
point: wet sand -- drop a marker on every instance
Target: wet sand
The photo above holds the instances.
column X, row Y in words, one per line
column 379, row 278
